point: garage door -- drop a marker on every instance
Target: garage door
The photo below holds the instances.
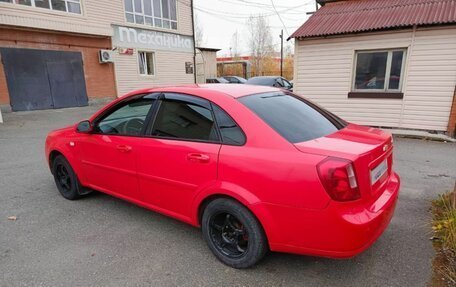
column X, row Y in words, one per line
column 42, row 79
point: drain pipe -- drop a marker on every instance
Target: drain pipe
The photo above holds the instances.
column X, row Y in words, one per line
column 194, row 41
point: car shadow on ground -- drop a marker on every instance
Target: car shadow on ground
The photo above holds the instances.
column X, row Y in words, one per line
column 174, row 227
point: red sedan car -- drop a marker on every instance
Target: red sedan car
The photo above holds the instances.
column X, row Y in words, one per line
column 257, row 168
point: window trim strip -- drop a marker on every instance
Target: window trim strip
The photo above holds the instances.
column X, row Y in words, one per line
column 375, row 95
column 153, row 112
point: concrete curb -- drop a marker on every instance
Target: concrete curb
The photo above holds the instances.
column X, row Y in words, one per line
column 420, row 135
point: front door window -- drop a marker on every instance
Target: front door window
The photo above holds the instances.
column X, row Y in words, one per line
column 127, row 120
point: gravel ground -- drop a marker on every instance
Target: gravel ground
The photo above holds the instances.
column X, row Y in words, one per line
column 104, row 241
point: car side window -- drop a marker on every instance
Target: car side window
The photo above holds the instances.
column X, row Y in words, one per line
column 128, row 120
column 231, row 133
column 279, row 82
column 180, row 119
column 287, row 84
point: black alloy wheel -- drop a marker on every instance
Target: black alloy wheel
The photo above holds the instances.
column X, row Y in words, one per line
column 233, row 233
column 66, row 180
column 229, row 235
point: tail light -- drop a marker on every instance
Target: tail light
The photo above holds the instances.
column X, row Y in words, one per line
column 339, row 179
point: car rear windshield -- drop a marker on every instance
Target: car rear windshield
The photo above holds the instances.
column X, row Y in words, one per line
column 292, row 117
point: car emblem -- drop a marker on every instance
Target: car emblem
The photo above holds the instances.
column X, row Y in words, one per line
column 386, row 147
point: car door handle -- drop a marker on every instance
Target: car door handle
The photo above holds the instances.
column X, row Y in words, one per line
column 124, row 148
column 197, row 157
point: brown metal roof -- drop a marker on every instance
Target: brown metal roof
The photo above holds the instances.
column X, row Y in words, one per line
column 354, row 16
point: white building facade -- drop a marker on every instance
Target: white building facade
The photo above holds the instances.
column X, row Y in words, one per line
column 55, row 51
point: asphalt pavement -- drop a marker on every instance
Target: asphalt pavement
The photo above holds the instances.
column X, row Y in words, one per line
column 104, row 241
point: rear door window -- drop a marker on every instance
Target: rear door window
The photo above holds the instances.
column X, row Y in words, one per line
column 293, row 118
column 185, row 117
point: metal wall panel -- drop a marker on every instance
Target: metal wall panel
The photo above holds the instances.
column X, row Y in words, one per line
column 42, row 79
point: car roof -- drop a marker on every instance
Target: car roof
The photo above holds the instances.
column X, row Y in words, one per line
column 233, row 77
column 232, row 90
column 266, row 77
column 266, row 80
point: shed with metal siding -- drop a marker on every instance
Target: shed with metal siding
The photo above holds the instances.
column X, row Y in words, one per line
column 325, row 53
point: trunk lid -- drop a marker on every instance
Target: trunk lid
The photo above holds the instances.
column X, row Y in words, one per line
column 369, row 149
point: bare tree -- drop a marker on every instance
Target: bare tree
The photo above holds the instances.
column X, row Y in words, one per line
column 260, row 41
column 199, row 32
column 235, row 45
column 288, row 48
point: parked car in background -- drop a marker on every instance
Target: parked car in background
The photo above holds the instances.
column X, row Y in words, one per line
column 271, row 81
column 257, row 168
column 235, row 79
column 216, row 81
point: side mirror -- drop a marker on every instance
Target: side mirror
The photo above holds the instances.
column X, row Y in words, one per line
column 84, row 127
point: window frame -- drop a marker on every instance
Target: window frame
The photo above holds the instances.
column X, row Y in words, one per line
column 386, row 92
column 160, row 18
column 193, row 99
column 153, row 61
column 33, row 5
column 197, row 101
column 119, row 105
column 220, row 130
column 153, row 112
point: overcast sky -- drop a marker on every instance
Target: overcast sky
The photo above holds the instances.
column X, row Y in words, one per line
column 221, row 18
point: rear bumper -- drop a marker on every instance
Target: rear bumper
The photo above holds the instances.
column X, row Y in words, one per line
column 341, row 230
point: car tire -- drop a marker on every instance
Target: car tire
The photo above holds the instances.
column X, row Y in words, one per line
column 66, row 180
column 233, row 233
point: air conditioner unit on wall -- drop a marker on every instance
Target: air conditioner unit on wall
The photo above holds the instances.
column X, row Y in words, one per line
column 105, row 56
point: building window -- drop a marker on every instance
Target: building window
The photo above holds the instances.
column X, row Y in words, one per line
column 156, row 13
column 379, row 71
column 146, row 63
column 71, row 6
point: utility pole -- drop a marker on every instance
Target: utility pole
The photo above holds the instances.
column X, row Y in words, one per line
column 281, row 53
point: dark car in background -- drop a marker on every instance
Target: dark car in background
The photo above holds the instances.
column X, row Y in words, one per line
column 271, row 81
column 216, row 81
column 235, row 79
